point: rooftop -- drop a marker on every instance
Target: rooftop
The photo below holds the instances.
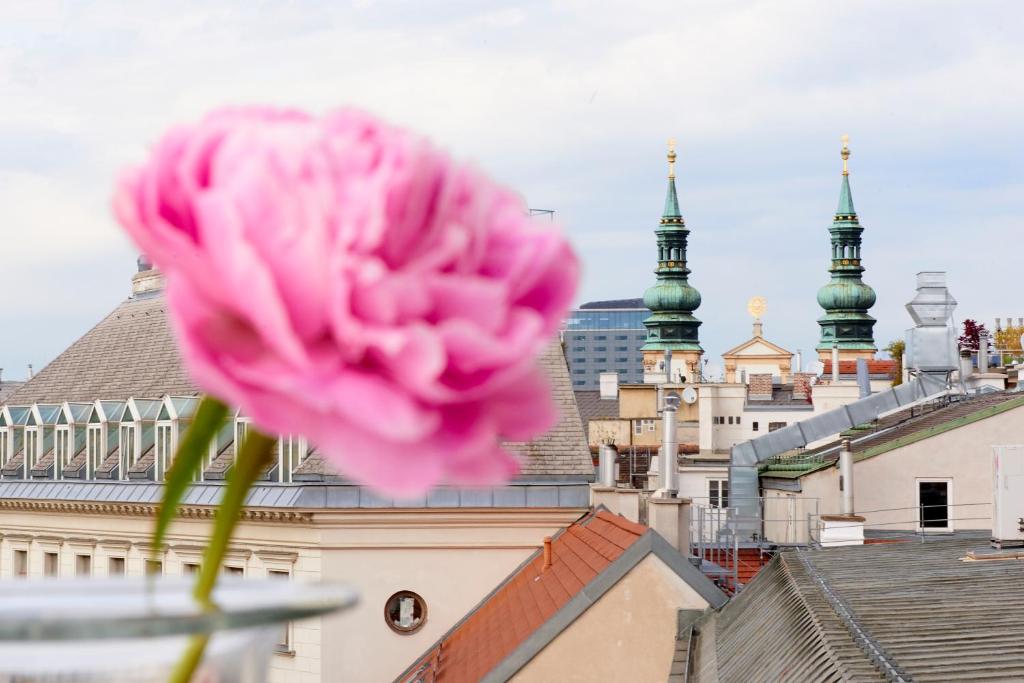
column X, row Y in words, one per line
column 592, row 407
column 919, row 610
column 877, row 369
column 894, row 431
column 132, row 353
column 533, row 605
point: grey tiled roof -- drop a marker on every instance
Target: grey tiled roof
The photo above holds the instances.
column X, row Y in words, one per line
column 563, row 450
column 592, row 407
column 131, row 352
column 8, row 388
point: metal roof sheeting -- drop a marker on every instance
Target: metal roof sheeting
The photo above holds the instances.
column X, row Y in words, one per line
column 307, row 496
column 916, row 610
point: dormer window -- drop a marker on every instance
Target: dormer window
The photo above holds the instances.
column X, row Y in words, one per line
column 129, row 452
column 62, row 449
column 291, row 452
column 95, row 453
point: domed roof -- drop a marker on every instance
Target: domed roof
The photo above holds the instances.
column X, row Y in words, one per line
column 846, row 295
column 672, row 295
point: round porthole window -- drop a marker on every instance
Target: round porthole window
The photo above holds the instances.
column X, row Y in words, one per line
column 405, row 612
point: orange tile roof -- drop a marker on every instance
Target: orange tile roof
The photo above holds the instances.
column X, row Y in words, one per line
column 526, row 600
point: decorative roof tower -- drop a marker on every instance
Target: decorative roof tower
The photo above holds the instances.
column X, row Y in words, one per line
column 671, row 325
column 846, row 299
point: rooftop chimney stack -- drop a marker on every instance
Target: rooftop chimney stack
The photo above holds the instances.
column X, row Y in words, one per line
column 30, row 371
column 846, row 477
column 547, row 554
column 607, row 461
column 147, row 279
column 609, row 385
column 669, row 474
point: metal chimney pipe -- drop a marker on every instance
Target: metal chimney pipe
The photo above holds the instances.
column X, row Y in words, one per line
column 846, row 477
column 982, row 353
column 668, row 481
column 668, row 365
column 835, row 362
column 607, row 459
column 30, row 371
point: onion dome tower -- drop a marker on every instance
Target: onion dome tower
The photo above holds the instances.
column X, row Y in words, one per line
column 846, row 299
column 671, row 325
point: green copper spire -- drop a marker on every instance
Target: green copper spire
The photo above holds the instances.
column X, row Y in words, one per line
column 846, row 299
column 672, row 300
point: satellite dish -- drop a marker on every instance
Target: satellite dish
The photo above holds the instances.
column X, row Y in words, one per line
column 690, row 395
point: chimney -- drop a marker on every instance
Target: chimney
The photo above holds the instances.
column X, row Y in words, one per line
column 846, row 477
column 760, row 387
column 148, row 279
column 799, row 361
column 607, row 464
column 982, row 354
column 668, row 481
column 30, row 371
column 999, row 325
column 547, row 554
column 863, row 378
column 609, row 385
column 802, row 386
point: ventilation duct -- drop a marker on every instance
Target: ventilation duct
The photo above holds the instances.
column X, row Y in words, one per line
column 931, row 364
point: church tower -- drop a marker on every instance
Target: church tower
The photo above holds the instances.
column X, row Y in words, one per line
column 846, row 299
column 671, row 325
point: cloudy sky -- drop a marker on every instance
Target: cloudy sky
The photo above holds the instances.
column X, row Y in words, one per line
column 571, row 102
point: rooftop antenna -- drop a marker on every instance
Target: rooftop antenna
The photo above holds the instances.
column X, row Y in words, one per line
column 550, row 213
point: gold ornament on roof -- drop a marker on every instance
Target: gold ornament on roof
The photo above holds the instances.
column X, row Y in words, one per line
column 672, row 158
column 845, row 153
column 756, row 306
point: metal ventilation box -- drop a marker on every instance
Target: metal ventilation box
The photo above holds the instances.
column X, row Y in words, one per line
column 1007, row 495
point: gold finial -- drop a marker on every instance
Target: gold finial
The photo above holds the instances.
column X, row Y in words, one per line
column 845, row 153
column 672, row 158
column 756, row 306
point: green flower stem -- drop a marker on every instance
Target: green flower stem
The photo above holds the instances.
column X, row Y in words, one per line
column 257, row 451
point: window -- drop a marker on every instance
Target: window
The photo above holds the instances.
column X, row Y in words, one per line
column 155, row 567
column 622, row 348
column 738, row 419
column 579, row 349
column 772, row 426
column 234, row 571
column 718, row 493
column 62, row 448
column 933, row 504
column 290, row 454
column 641, row 337
column 638, row 427
column 600, row 348
column 21, row 563
column 601, row 360
column 405, row 612
column 284, row 642
column 622, row 359
column 241, row 429
column 51, row 564
column 31, row 447
column 5, row 442
column 621, row 337
column 83, row 565
column 115, row 566
column 579, row 360
column 730, row 419
column 189, row 568
column 580, row 383
column 579, row 371
column 754, row 425
column 127, row 449
column 650, row 425
column 579, row 337
column 164, row 449
column 601, row 337
column 94, row 446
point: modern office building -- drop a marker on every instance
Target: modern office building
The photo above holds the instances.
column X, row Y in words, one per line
column 605, row 336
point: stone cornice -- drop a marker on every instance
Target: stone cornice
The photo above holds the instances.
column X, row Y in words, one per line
column 145, row 510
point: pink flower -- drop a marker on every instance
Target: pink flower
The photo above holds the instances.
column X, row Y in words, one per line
column 342, row 279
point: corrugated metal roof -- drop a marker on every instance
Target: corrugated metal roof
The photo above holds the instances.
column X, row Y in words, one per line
column 915, row 610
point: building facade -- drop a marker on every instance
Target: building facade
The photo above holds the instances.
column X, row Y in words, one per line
column 605, row 336
column 85, row 444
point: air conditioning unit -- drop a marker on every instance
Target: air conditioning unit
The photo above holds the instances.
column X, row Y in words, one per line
column 1007, row 495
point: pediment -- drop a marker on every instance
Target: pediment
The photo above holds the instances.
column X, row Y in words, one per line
column 757, row 346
